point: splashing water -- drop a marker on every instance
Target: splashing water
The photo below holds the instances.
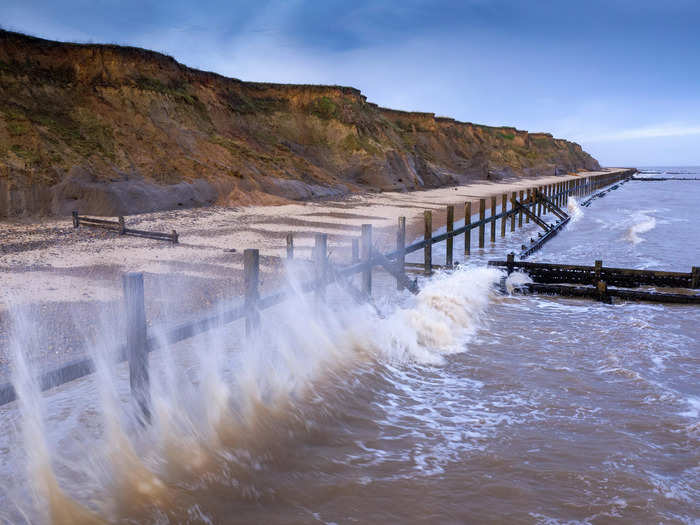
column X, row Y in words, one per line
column 574, row 209
column 223, row 405
column 642, row 223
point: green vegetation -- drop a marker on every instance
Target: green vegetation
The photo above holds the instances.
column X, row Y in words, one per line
column 506, row 136
column 323, row 108
column 354, row 142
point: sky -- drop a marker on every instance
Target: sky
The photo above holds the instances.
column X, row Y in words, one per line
column 621, row 77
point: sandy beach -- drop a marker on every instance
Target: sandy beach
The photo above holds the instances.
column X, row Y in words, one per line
column 48, row 265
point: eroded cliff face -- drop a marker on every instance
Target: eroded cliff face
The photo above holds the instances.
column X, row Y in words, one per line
column 116, row 130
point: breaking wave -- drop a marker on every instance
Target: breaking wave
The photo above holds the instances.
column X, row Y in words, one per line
column 574, row 209
column 224, row 404
column 642, row 224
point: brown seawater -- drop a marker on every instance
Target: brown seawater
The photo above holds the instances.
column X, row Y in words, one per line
column 459, row 405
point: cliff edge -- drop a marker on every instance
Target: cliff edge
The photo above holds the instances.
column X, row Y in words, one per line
column 117, row 130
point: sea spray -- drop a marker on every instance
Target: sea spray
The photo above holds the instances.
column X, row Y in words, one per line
column 51, row 501
column 641, row 223
column 222, row 401
column 574, row 209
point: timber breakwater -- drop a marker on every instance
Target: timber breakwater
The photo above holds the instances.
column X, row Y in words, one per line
column 339, row 393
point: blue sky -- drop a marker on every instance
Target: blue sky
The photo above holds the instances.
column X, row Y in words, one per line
column 621, row 77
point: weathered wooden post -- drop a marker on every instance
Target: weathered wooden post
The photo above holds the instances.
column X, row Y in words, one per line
column 467, row 230
column 428, row 238
column 401, row 248
column 695, row 277
column 76, row 219
column 513, row 198
column 528, row 200
column 321, row 264
column 251, row 284
column 539, row 201
column 174, row 237
column 504, row 209
column 602, row 288
column 366, row 255
column 355, row 251
column 122, row 226
column 521, row 193
column 449, row 243
column 510, row 262
column 493, row 220
column 290, row 246
column 482, row 218
column 598, row 270
column 136, row 346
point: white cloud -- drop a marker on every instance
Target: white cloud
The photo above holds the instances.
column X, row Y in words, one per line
column 663, row 130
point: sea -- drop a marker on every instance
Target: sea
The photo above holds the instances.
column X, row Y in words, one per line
column 462, row 404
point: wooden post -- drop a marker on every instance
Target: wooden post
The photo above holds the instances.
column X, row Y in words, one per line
column 482, row 218
column 695, row 277
column 528, row 200
column 355, row 250
column 493, row 221
column 174, row 237
column 521, row 193
column 539, row 202
column 321, row 264
column 251, row 283
column 602, row 291
column 401, row 248
column 504, row 209
column 513, row 197
column 510, row 262
column 428, row 238
column 467, row 231
column 76, row 219
column 597, row 271
column 449, row 244
column 366, row 254
column 136, row 347
column 290, row 246
column 122, row 226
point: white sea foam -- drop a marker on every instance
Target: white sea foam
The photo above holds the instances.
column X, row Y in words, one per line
column 641, row 223
column 225, row 386
column 574, row 209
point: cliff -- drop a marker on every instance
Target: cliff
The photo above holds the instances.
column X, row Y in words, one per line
column 117, row 130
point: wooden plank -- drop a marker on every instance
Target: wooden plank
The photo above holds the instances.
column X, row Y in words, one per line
column 493, row 220
column 136, row 348
column 401, row 248
column 594, row 293
column 427, row 237
column 521, row 193
column 468, row 230
column 504, row 211
column 449, row 243
column 290, row 246
column 251, row 284
column 482, row 219
column 321, row 264
column 366, row 256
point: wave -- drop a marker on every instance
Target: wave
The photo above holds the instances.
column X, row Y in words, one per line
column 224, row 404
column 643, row 223
column 574, row 209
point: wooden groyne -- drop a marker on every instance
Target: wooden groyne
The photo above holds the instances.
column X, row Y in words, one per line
column 563, row 279
column 119, row 226
column 518, row 208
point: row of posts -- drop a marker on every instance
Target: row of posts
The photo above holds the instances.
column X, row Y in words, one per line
column 137, row 344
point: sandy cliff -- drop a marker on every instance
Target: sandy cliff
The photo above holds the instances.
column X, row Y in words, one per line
column 118, row 130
